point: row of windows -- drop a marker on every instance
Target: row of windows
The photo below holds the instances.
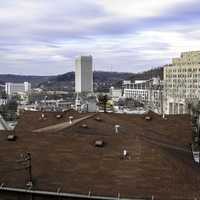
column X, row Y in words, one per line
column 183, row 70
column 183, row 90
column 184, row 81
column 144, row 98
column 128, row 95
column 138, row 92
column 131, row 86
column 182, row 75
column 155, row 93
column 183, row 96
column 142, row 94
column 181, row 86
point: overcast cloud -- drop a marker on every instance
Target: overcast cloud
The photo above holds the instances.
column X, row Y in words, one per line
column 43, row 37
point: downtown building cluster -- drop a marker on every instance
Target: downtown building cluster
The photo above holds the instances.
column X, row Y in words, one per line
column 179, row 89
column 176, row 93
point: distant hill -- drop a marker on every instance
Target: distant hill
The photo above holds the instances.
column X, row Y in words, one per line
column 98, row 76
column 34, row 80
column 102, row 80
column 155, row 72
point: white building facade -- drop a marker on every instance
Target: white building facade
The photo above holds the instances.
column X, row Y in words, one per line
column 17, row 88
column 83, row 74
column 115, row 93
column 182, row 83
column 3, row 101
column 148, row 92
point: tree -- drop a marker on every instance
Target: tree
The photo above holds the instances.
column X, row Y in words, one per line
column 121, row 103
column 9, row 110
column 103, row 99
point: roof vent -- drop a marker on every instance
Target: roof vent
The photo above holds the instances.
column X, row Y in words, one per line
column 11, row 137
column 148, row 118
column 117, row 126
column 59, row 116
column 99, row 143
column 98, row 119
column 84, row 126
column 71, row 119
column 43, row 117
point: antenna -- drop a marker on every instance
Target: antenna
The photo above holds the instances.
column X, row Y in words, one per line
column 117, row 128
column 70, row 119
column 26, row 158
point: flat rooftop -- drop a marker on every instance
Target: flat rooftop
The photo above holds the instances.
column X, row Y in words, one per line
column 159, row 161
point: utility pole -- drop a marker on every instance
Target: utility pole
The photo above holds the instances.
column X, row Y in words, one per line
column 26, row 160
column 161, row 93
column 29, row 167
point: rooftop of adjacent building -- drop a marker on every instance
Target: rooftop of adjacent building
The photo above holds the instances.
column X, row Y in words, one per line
column 159, row 160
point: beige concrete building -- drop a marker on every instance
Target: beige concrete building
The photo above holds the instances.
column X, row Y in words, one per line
column 182, row 83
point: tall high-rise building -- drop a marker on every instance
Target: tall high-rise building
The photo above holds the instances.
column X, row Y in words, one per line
column 83, row 74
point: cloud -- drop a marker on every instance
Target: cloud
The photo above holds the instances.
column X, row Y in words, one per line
column 140, row 9
column 44, row 36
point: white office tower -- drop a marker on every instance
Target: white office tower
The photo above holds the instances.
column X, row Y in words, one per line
column 83, row 74
column 16, row 88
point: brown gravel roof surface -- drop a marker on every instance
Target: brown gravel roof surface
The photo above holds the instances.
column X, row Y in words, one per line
column 159, row 162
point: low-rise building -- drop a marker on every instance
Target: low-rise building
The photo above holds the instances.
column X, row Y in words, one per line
column 17, row 88
column 115, row 93
column 86, row 103
column 54, row 105
column 148, row 92
column 3, row 101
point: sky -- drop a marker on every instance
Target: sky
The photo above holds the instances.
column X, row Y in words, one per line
column 43, row 37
